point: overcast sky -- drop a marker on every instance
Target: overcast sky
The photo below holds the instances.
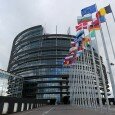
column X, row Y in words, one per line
column 18, row 15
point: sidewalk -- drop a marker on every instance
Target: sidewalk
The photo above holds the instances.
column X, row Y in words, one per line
column 66, row 110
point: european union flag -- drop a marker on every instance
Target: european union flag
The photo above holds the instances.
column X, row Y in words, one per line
column 88, row 10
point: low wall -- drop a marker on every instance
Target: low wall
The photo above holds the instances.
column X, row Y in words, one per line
column 10, row 105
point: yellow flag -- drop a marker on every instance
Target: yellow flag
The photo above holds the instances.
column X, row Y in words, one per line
column 102, row 11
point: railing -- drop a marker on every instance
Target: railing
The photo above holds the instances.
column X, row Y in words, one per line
column 10, row 105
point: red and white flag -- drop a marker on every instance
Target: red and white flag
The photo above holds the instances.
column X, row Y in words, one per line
column 80, row 26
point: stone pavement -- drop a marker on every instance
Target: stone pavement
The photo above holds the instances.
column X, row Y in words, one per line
column 65, row 110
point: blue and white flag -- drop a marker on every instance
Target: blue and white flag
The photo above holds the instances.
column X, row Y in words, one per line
column 89, row 10
column 78, row 40
column 79, row 37
column 79, row 34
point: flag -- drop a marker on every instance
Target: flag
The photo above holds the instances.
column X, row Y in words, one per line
column 72, row 53
column 69, row 61
column 77, row 40
column 89, row 10
column 69, row 57
column 66, row 62
column 85, row 42
column 80, row 49
column 73, row 44
column 79, row 34
column 95, row 22
column 98, row 15
column 72, row 49
column 84, row 25
column 80, row 43
column 108, row 9
column 83, row 19
column 81, row 26
column 94, row 27
column 86, row 39
column 105, row 10
column 102, row 19
column 102, row 11
column 92, row 33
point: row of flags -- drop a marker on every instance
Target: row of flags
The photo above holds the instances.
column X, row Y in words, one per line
column 83, row 23
column 105, row 10
column 78, row 44
column 86, row 22
column 93, row 8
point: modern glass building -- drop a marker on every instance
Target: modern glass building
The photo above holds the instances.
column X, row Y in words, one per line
column 3, row 83
column 39, row 59
column 10, row 85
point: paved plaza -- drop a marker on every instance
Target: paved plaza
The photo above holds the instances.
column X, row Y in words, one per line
column 65, row 110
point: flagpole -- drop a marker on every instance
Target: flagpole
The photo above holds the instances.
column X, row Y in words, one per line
column 107, row 58
column 110, row 39
column 95, row 69
column 80, row 88
column 84, row 64
column 112, row 14
column 108, row 62
column 56, row 56
column 71, row 75
column 95, row 72
column 83, row 88
column 44, row 31
column 84, row 79
column 91, row 85
column 73, row 85
column 73, row 72
column 68, row 32
column 88, row 81
column 92, row 102
column 56, row 29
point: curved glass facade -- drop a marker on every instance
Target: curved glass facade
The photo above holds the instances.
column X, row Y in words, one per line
column 39, row 59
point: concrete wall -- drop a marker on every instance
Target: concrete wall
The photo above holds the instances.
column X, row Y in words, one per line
column 10, row 105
